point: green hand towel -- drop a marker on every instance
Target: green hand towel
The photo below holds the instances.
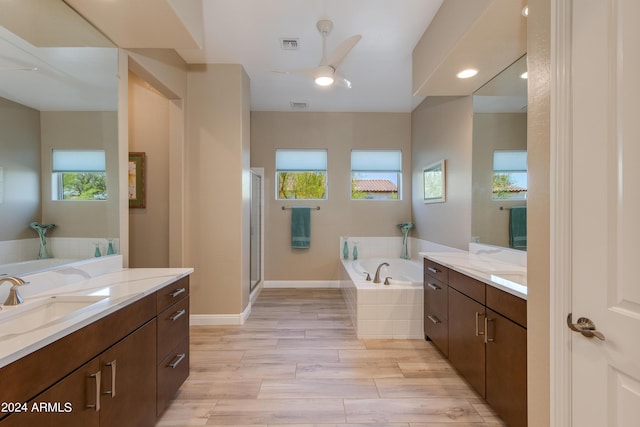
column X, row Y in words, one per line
column 300, row 227
column 518, row 227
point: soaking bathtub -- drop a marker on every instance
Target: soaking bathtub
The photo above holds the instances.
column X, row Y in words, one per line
column 380, row 311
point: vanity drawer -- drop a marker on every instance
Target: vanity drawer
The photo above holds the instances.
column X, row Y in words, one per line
column 471, row 287
column 173, row 326
column 172, row 293
column 436, row 325
column 510, row 306
column 173, row 370
column 435, row 270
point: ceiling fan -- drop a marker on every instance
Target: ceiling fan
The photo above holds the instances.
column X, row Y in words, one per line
column 325, row 74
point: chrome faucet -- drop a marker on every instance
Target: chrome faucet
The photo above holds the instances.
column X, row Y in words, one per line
column 14, row 297
column 376, row 278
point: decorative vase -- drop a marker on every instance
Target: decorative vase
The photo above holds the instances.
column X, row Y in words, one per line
column 110, row 250
column 405, row 227
column 355, row 251
column 41, row 229
column 345, row 249
column 97, row 253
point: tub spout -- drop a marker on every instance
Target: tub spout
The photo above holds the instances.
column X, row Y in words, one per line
column 376, row 278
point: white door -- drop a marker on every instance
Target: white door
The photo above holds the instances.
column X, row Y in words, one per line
column 605, row 200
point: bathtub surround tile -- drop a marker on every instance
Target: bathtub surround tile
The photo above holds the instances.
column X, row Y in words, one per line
column 318, row 377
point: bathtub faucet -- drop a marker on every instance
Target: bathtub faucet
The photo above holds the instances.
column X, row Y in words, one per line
column 14, row 297
column 376, row 278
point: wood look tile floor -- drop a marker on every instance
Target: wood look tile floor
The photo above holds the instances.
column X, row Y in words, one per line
column 297, row 362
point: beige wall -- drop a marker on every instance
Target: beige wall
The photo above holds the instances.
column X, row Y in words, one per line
column 84, row 130
column 149, row 133
column 442, row 129
column 217, row 199
column 20, row 161
column 538, row 255
column 493, row 131
column 339, row 133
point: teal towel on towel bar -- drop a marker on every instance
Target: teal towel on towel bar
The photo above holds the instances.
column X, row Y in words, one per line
column 300, row 227
column 518, row 227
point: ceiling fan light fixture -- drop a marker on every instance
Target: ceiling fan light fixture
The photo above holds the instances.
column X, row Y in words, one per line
column 324, row 80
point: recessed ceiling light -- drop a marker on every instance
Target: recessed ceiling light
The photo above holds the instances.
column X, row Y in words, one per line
column 465, row 74
column 525, row 11
column 524, row 75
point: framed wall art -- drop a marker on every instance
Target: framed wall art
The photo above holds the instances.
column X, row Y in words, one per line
column 137, row 196
column 435, row 185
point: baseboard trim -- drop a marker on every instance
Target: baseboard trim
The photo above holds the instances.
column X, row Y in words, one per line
column 310, row 284
column 220, row 319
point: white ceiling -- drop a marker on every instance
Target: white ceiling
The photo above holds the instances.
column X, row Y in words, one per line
column 248, row 32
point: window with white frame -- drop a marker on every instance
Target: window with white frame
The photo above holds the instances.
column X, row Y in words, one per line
column 509, row 175
column 301, row 174
column 79, row 175
column 376, row 174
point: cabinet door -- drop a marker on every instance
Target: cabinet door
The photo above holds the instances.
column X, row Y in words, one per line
column 507, row 369
column 129, row 384
column 435, row 314
column 466, row 339
column 69, row 403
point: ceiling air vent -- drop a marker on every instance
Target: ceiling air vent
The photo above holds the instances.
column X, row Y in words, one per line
column 299, row 105
column 290, row 44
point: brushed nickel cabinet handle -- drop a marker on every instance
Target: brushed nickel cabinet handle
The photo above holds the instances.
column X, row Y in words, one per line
column 478, row 331
column 487, row 340
column 178, row 315
column 434, row 319
column 177, row 292
column 433, row 270
column 176, row 360
column 97, row 376
column 113, row 365
column 434, row 286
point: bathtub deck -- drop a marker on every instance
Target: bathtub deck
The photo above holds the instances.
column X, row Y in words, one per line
column 297, row 361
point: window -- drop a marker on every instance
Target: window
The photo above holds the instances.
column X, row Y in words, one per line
column 301, row 174
column 376, row 174
column 509, row 175
column 79, row 175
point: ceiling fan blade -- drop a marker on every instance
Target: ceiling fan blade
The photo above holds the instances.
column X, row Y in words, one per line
column 343, row 81
column 338, row 55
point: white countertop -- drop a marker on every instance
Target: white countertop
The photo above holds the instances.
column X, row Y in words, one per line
column 505, row 276
column 120, row 288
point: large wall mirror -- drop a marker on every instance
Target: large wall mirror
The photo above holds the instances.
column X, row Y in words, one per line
column 499, row 162
column 58, row 91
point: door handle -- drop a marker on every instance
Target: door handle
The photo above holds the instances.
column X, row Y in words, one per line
column 585, row 326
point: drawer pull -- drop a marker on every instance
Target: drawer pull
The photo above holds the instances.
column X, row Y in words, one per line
column 176, row 360
column 178, row 315
column 177, row 292
column 434, row 319
column 112, row 392
column 97, row 376
column 433, row 270
column 434, row 286
column 478, row 331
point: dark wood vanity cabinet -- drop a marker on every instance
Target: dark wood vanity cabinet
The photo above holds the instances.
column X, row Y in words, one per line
column 485, row 337
column 466, row 339
column 435, row 305
column 118, row 382
column 172, row 363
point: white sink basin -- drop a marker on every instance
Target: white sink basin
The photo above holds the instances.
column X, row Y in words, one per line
column 27, row 317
